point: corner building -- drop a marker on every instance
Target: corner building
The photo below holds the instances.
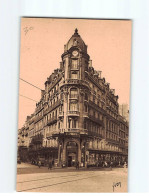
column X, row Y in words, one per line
column 77, row 116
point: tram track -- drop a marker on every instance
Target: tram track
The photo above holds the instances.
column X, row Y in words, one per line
column 46, row 178
column 59, row 183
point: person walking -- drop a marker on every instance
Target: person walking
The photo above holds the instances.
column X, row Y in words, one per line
column 77, row 165
column 50, row 165
column 39, row 164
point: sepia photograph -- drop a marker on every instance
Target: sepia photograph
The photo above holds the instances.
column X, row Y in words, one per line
column 74, row 91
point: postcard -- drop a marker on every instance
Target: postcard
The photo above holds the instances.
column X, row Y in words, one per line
column 73, row 105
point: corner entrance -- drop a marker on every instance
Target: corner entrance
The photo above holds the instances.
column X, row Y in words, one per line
column 71, row 153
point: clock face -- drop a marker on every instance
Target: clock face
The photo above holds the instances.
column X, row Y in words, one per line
column 75, row 53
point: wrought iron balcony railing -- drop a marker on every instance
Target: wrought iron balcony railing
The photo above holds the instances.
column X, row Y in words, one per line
column 73, row 113
column 52, row 120
column 38, row 118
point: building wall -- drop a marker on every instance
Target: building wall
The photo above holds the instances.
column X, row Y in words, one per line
column 77, row 99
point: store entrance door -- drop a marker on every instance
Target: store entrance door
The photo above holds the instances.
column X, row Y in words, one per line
column 72, row 154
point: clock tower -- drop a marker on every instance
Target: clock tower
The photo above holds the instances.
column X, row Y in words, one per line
column 75, row 59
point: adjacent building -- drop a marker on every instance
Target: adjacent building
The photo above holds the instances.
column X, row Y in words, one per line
column 77, row 117
column 124, row 111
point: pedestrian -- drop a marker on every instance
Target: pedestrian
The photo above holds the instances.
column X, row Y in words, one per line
column 39, row 164
column 77, row 165
column 125, row 165
column 50, row 165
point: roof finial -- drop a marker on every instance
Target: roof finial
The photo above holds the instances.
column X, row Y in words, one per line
column 76, row 31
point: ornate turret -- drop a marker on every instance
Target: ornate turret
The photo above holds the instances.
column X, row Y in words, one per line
column 76, row 41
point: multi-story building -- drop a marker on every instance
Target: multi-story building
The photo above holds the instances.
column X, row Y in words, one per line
column 77, row 117
column 124, row 111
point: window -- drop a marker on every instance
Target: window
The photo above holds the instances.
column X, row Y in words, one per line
column 74, row 64
column 86, row 97
column 94, row 113
column 74, row 125
column 73, row 93
column 69, row 123
column 85, row 106
column 74, row 75
column 59, row 125
column 85, row 125
column 73, row 106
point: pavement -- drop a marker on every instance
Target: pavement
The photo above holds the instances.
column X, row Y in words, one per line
column 30, row 178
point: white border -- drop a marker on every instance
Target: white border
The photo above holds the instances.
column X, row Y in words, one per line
column 137, row 10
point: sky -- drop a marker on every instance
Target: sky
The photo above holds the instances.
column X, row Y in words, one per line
column 42, row 44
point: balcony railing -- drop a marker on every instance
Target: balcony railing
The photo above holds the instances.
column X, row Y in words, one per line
column 55, row 132
column 56, row 104
column 38, row 118
column 96, row 120
column 112, row 140
column 93, row 133
column 73, row 113
column 40, row 107
column 72, row 130
column 52, row 120
column 85, row 115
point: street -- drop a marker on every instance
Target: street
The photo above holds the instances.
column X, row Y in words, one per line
column 30, row 178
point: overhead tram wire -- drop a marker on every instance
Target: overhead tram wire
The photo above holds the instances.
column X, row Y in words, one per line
column 30, row 84
column 28, row 98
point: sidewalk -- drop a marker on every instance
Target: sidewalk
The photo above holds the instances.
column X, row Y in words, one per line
column 30, row 166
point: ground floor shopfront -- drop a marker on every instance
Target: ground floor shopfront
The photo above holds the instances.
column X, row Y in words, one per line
column 71, row 150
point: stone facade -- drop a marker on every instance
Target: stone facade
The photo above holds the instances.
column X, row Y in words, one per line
column 77, row 117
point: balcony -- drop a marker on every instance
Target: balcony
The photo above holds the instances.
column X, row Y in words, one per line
column 112, row 141
column 38, row 108
column 93, row 133
column 96, row 120
column 77, row 81
column 73, row 113
column 85, row 115
column 38, row 118
column 52, row 121
column 74, row 131
column 55, row 105
column 51, row 133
